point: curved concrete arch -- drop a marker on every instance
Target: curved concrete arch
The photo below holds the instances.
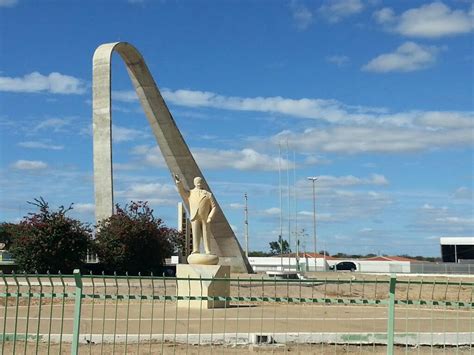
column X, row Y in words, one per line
column 172, row 145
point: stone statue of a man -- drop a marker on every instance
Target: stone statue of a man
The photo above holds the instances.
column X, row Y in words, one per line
column 201, row 211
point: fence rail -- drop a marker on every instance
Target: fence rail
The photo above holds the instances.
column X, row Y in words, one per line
column 144, row 314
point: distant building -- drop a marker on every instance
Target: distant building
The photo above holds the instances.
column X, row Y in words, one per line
column 391, row 258
column 457, row 249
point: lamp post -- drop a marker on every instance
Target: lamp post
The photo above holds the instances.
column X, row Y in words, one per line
column 313, row 179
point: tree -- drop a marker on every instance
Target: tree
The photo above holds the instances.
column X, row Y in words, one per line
column 49, row 240
column 7, row 234
column 277, row 246
column 133, row 240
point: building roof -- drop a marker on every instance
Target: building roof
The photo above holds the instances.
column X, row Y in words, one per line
column 391, row 258
column 456, row 240
column 310, row 255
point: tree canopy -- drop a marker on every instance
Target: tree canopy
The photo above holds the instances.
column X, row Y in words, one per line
column 280, row 246
column 49, row 240
column 133, row 240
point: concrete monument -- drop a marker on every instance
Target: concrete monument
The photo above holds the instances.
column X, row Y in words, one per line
column 172, row 145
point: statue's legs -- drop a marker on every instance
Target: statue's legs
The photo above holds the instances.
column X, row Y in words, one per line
column 206, row 231
column 197, row 226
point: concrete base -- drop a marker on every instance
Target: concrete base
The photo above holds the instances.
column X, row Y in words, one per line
column 217, row 288
column 203, row 259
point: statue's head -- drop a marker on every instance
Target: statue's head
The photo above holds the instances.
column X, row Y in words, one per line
column 198, row 182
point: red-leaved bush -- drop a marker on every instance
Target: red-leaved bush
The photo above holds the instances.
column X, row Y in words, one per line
column 133, row 240
column 49, row 240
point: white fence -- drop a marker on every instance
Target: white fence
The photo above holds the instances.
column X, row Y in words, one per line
column 261, row 264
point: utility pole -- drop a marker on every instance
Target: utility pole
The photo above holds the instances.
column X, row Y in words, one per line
column 313, row 179
column 296, row 214
column 297, row 252
column 246, row 210
column 280, row 237
column 289, row 202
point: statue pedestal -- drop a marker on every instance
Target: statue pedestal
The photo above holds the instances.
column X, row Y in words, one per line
column 197, row 288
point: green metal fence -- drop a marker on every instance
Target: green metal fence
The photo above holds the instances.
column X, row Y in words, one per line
column 343, row 313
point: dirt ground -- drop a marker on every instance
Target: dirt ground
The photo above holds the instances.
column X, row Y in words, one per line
column 112, row 316
column 268, row 349
column 320, row 285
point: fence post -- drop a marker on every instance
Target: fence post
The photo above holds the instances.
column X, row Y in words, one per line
column 77, row 312
column 391, row 315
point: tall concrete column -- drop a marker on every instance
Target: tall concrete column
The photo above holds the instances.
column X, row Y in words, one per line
column 172, row 145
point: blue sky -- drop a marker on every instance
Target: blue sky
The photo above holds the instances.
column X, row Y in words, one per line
column 374, row 97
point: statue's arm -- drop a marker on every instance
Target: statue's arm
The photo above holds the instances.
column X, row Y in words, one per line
column 213, row 209
column 182, row 191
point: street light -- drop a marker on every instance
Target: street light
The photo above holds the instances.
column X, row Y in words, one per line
column 313, row 179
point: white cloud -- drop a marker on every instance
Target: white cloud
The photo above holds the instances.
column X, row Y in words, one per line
column 55, row 83
column 428, row 21
column 360, row 129
column 464, row 193
column 329, row 181
column 378, row 179
column 336, row 10
column 339, row 198
column 328, row 110
column 320, row 217
column 406, row 58
column 124, row 96
column 126, row 166
column 155, row 193
column 332, row 111
column 316, row 160
column 8, row 3
column 345, row 205
column 40, row 145
column 86, row 208
column 274, row 211
column 438, row 120
column 455, row 220
column 443, row 220
column 150, row 155
column 237, row 206
column 339, row 60
column 148, row 189
column 245, row 159
column 53, row 124
column 302, row 16
column 123, row 134
column 356, row 139
column 384, row 16
column 29, row 165
column 120, row 134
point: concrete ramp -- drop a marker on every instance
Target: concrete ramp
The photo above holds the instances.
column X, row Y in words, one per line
column 172, row 145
